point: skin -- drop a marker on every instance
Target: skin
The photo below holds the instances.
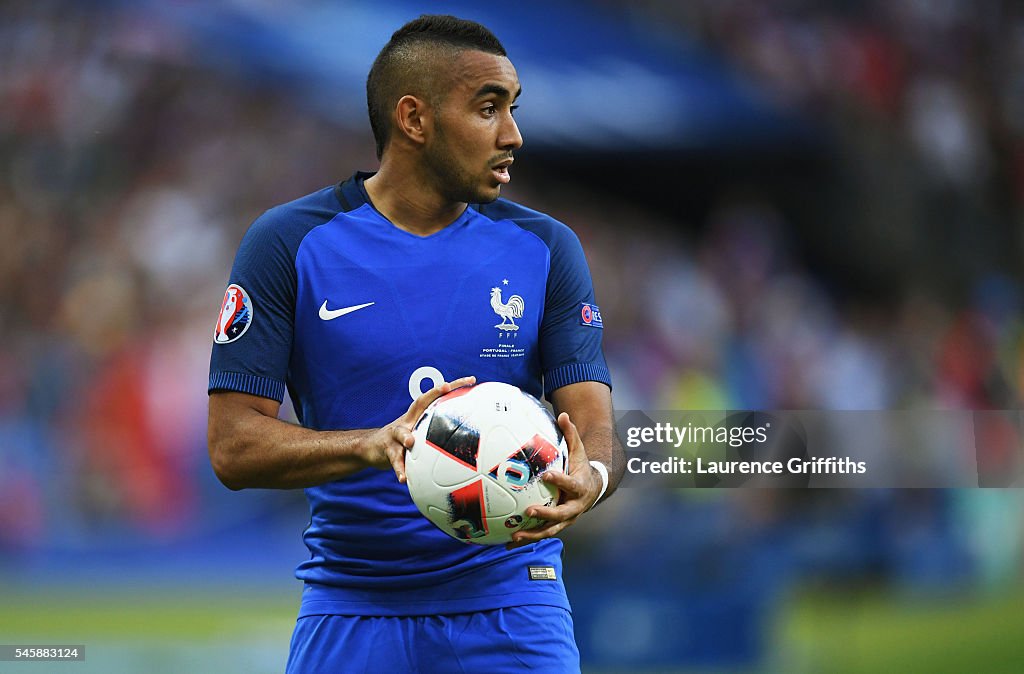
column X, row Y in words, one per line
column 439, row 159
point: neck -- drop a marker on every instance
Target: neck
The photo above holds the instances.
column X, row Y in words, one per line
column 408, row 199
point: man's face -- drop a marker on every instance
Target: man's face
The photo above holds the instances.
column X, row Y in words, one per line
column 474, row 136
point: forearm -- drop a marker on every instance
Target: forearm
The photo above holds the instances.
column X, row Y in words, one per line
column 603, row 445
column 250, row 448
column 589, row 405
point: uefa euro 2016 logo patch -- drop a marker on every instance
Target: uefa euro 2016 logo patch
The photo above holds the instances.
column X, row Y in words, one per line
column 590, row 315
column 235, row 315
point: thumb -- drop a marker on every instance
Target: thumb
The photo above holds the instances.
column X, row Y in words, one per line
column 577, row 454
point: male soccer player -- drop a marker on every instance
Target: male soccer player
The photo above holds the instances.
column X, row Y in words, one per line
column 359, row 296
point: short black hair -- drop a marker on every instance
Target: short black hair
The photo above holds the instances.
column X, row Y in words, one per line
column 408, row 64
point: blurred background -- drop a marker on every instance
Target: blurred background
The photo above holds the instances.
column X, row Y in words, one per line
column 785, row 205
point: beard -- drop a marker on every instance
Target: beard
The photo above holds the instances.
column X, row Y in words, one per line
column 452, row 180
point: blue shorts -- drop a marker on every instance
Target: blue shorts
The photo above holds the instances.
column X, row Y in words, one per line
column 532, row 638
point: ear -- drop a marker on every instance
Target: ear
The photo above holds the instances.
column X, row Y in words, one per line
column 413, row 118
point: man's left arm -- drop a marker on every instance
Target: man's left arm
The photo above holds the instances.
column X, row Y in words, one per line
column 586, row 418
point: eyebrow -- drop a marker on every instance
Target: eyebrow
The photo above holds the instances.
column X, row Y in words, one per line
column 496, row 89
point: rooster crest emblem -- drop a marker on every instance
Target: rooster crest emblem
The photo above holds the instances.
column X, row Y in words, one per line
column 508, row 311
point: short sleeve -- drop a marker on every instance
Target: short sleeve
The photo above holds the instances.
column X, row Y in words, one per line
column 572, row 326
column 254, row 331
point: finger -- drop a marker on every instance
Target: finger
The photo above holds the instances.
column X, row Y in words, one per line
column 573, row 489
column 420, row 405
column 572, row 439
column 566, row 483
column 398, row 463
column 403, row 435
column 569, row 510
column 521, row 538
column 396, row 454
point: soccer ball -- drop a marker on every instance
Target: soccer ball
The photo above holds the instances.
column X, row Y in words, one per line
column 476, row 465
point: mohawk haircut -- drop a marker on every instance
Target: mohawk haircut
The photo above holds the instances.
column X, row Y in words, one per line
column 415, row 62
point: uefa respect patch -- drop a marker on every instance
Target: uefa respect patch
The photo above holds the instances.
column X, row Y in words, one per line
column 590, row 315
column 235, row 315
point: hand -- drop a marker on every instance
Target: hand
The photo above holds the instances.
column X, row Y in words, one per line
column 386, row 446
column 580, row 489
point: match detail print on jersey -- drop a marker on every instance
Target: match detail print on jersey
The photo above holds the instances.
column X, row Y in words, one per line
column 508, row 310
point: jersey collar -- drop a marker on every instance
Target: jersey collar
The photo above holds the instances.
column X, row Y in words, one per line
column 351, row 193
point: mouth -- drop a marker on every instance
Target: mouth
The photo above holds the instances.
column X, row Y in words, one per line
column 500, row 171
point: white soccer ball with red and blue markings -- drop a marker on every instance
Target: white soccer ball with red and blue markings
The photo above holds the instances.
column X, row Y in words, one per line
column 478, row 459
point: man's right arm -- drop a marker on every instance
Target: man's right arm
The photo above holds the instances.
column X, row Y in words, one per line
column 250, row 447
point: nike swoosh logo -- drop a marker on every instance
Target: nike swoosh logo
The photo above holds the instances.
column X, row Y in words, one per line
column 330, row 314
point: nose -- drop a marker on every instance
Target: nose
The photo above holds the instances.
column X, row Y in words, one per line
column 510, row 139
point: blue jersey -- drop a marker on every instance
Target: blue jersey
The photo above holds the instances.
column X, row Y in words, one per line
column 355, row 317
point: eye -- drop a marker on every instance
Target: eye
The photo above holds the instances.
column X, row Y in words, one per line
column 490, row 109
column 513, row 109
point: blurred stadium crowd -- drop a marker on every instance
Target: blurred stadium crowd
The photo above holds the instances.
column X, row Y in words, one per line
column 129, row 172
